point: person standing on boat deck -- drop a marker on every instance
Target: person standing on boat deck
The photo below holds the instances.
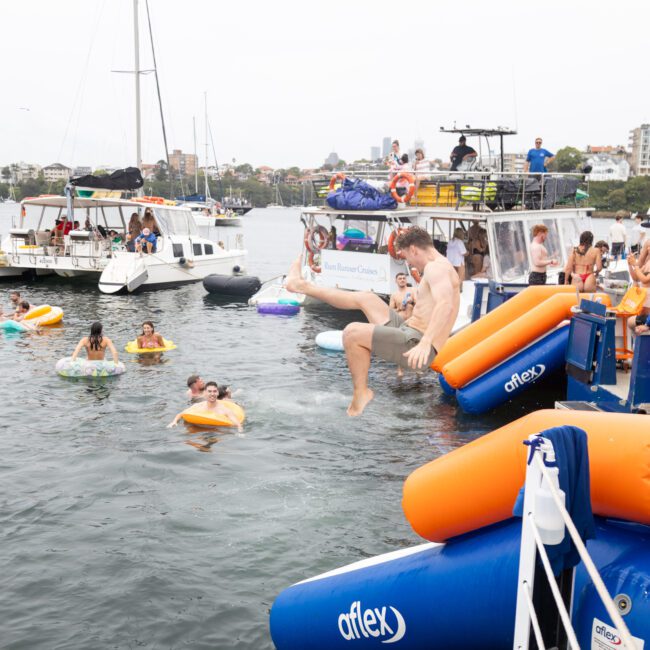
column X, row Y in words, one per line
column 393, row 160
column 456, row 253
column 411, row 343
column 539, row 256
column 618, row 235
column 402, row 300
column 195, row 388
column 638, row 235
column 579, row 269
column 462, row 153
column 96, row 345
column 537, row 159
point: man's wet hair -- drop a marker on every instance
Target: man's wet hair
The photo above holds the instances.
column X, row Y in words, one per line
column 212, row 383
column 24, row 305
column 414, row 236
column 192, row 379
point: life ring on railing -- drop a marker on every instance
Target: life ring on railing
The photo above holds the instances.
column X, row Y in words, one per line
column 313, row 265
column 391, row 243
column 415, row 274
column 311, row 243
column 339, row 176
column 402, row 176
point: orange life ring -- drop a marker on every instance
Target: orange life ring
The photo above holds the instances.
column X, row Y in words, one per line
column 339, row 176
column 410, row 189
column 312, row 262
column 311, row 243
column 391, row 243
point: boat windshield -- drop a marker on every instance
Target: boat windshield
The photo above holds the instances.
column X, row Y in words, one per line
column 176, row 222
column 510, row 257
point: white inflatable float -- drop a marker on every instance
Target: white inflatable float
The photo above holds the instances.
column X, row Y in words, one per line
column 332, row 340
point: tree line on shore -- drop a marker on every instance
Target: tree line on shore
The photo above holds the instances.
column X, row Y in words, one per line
column 632, row 195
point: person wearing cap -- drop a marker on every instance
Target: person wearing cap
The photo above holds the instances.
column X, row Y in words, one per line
column 461, row 153
column 618, row 235
column 537, row 159
column 145, row 238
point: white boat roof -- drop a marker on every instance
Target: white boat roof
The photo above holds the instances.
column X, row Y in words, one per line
column 79, row 202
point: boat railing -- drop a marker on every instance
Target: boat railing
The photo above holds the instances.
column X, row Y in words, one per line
column 475, row 190
column 538, row 510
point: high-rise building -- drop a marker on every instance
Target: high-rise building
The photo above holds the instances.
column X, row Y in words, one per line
column 385, row 146
column 183, row 164
column 514, row 163
column 640, row 146
column 332, row 159
column 375, row 153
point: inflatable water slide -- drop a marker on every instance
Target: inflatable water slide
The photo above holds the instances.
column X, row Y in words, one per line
column 503, row 353
column 459, row 590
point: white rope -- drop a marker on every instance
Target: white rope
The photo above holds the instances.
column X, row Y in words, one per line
column 533, row 617
column 564, row 615
column 605, row 597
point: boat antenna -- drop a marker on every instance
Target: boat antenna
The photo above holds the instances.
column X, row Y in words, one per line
column 205, row 173
column 162, row 117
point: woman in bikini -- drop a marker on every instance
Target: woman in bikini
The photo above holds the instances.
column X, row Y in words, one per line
column 96, row 345
column 579, row 269
column 149, row 337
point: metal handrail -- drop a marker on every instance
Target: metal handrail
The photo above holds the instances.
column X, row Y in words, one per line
column 534, row 480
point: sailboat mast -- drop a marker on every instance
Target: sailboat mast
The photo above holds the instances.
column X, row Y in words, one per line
column 205, row 106
column 136, row 37
column 196, row 160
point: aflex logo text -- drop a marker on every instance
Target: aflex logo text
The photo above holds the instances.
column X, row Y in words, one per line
column 371, row 623
column 525, row 377
column 602, row 630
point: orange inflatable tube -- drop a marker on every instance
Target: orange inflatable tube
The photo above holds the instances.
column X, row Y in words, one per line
column 476, row 485
column 493, row 321
column 513, row 336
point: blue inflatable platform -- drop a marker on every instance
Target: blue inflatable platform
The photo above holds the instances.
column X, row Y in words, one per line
column 455, row 596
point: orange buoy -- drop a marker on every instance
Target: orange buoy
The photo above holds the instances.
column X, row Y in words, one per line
column 476, row 485
column 339, row 176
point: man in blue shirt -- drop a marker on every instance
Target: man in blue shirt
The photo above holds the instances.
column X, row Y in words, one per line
column 537, row 159
column 145, row 240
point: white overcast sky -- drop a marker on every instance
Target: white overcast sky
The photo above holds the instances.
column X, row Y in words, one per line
column 290, row 81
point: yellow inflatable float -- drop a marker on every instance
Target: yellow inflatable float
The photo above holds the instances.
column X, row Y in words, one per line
column 45, row 315
column 132, row 347
column 198, row 414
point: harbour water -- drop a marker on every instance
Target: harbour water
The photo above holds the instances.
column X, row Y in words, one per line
column 118, row 532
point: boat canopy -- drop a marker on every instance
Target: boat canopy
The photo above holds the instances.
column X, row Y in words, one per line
column 78, row 202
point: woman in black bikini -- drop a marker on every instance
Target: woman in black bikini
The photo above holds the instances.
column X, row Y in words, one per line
column 579, row 269
column 96, row 345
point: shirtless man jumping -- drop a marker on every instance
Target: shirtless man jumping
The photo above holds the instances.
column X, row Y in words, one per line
column 410, row 343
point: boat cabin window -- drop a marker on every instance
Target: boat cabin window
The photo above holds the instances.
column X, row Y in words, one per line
column 175, row 222
column 209, row 249
column 510, row 257
column 570, row 234
column 356, row 235
column 197, row 249
column 178, row 250
column 552, row 244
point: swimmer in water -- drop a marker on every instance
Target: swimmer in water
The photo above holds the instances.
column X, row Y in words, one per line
column 149, row 337
column 214, row 405
column 96, row 345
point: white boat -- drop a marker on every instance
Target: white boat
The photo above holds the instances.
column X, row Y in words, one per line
column 208, row 219
column 365, row 264
column 182, row 255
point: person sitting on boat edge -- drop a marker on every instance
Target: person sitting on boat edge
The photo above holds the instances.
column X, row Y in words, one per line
column 146, row 239
column 214, row 404
column 149, row 337
column 539, row 256
column 96, row 345
column 641, row 275
column 411, row 343
column 195, row 389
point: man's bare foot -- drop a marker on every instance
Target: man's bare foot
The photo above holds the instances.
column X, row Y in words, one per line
column 359, row 402
column 294, row 281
